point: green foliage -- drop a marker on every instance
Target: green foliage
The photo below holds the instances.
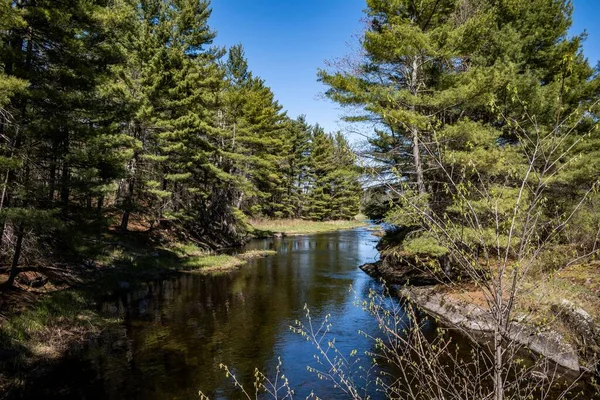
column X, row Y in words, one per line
column 424, row 245
column 124, row 106
column 333, row 178
column 464, row 95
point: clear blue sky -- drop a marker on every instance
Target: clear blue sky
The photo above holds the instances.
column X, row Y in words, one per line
column 286, row 41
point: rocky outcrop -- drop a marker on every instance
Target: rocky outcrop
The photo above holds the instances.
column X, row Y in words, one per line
column 469, row 316
column 402, row 272
column 584, row 331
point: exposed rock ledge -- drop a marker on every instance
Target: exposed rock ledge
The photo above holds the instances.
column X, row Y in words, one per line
column 469, row 316
column 387, row 269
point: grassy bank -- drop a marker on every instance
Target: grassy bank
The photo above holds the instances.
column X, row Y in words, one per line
column 270, row 227
column 221, row 262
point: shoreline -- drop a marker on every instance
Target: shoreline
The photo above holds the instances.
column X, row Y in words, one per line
column 277, row 228
column 444, row 303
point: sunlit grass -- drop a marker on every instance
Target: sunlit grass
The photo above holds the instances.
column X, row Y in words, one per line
column 300, row 226
column 222, row 262
column 577, row 284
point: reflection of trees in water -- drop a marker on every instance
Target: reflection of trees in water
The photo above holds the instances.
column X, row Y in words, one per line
column 178, row 331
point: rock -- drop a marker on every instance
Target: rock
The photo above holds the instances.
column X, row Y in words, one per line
column 393, row 271
column 550, row 344
column 583, row 328
column 466, row 316
column 470, row 317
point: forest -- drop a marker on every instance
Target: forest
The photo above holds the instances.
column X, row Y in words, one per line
column 114, row 109
column 121, row 121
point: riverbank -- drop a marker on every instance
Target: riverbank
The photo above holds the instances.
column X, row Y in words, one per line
column 53, row 310
column 291, row 227
column 555, row 316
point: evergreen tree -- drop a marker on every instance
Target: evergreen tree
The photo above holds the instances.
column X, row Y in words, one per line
column 453, row 84
column 296, row 167
column 256, row 124
column 321, row 166
column 125, row 103
column 334, row 188
column 345, row 181
column 61, row 49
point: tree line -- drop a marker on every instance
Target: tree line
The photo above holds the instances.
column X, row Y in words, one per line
column 116, row 108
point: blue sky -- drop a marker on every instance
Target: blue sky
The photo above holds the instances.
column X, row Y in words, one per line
column 286, row 41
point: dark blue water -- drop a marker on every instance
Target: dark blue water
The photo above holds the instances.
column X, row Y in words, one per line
column 175, row 333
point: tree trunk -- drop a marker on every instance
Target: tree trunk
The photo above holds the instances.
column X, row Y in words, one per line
column 498, row 343
column 65, row 178
column 417, row 161
column 52, row 177
column 100, row 203
column 17, row 255
column 414, row 89
column 128, row 205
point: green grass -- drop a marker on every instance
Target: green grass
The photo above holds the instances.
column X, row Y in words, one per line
column 212, row 263
column 268, row 227
column 221, row 262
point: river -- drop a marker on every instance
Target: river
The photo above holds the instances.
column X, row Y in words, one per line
column 175, row 332
column 172, row 334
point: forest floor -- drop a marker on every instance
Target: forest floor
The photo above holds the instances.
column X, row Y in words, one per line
column 291, row 227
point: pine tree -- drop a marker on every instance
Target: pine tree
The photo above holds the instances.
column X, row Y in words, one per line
column 61, row 49
column 451, row 82
column 296, row 167
column 322, row 164
column 256, row 124
column 345, row 181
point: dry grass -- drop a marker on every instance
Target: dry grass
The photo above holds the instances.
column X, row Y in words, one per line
column 579, row 284
column 300, row 226
column 208, row 263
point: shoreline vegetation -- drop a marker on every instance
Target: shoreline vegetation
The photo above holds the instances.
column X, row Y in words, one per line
column 293, row 227
column 556, row 317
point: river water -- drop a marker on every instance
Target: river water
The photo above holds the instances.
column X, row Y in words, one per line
column 173, row 334
column 176, row 332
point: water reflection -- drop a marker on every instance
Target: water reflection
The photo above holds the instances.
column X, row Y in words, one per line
column 176, row 332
